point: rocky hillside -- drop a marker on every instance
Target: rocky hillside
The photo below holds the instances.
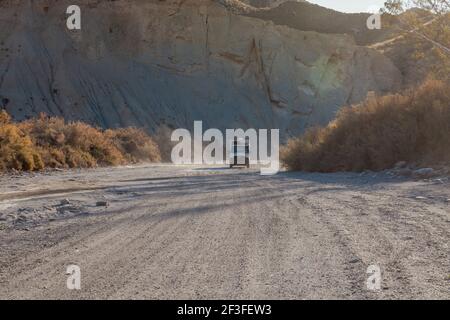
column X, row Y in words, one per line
column 305, row 16
column 266, row 3
column 153, row 62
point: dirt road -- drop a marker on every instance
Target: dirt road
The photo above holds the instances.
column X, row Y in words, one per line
column 184, row 232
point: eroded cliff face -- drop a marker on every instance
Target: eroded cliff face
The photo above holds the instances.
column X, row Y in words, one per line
column 266, row 3
column 149, row 62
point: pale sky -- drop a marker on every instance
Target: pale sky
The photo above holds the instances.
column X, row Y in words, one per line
column 350, row 5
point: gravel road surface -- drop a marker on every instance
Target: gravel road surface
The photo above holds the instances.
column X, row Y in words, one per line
column 180, row 232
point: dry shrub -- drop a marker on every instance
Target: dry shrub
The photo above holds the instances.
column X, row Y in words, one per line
column 16, row 148
column 87, row 142
column 135, row 144
column 52, row 157
column 51, row 142
column 413, row 126
column 163, row 140
column 5, row 118
column 76, row 158
column 71, row 145
column 46, row 131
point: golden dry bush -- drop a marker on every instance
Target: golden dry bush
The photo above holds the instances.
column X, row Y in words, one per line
column 413, row 126
column 86, row 140
column 52, row 157
column 5, row 118
column 51, row 142
column 76, row 158
column 17, row 150
column 135, row 144
column 68, row 145
column 45, row 131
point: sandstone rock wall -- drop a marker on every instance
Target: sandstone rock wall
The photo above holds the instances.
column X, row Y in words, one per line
column 149, row 62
